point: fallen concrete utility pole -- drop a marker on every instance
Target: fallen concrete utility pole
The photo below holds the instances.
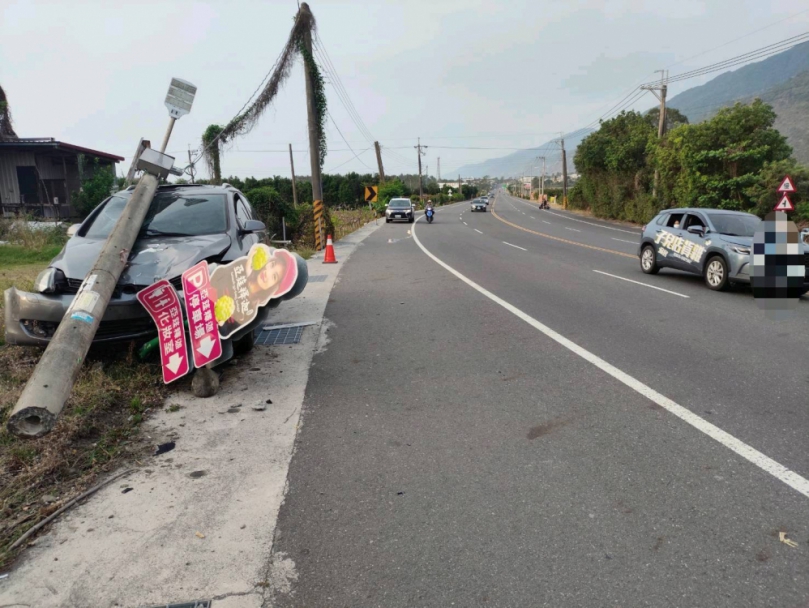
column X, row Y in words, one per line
column 49, row 387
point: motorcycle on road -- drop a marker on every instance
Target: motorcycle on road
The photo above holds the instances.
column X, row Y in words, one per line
column 429, row 212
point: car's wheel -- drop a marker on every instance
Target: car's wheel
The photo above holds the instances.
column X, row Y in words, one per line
column 411, row 220
column 716, row 273
column 243, row 345
column 648, row 263
column 387, row 220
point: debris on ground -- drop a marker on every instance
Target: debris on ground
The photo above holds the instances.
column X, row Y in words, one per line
column 164, row 447
column 782, row 536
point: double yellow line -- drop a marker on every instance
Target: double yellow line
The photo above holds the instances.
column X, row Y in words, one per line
column 561, row 240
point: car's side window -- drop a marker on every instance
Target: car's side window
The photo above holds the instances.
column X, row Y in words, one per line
column 241, row 212
column 662, row 219
column 675, row 220
column 694, row 220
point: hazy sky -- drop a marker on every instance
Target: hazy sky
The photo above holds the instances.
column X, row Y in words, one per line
column 458, row 74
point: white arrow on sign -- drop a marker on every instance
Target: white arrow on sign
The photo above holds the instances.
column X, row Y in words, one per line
column 206, row 346
column 174, row 363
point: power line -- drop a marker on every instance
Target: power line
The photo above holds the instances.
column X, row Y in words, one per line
column 739, row 38
column 760, row 53
column 344, row 139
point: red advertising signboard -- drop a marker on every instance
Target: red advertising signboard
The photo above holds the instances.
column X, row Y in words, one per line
column 206, row 346
column 161, row 302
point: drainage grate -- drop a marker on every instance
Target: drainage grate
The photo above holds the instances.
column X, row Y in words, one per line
column 276, row 337
column 194, row 604
column 318, row 278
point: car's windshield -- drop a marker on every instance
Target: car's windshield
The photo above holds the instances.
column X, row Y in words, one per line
column 735, row 224
column 399, row 203
column 170, row 214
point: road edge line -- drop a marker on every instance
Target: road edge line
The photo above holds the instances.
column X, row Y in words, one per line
column 749, row 453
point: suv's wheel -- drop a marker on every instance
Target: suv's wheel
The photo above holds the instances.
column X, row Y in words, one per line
column 387, row 220
column 716, row 273
column 243, row 345
column 648, row 263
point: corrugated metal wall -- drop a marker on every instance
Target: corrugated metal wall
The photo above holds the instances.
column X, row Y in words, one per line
column 9, row 188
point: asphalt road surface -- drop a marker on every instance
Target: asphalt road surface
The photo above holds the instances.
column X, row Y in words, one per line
column 509, row 413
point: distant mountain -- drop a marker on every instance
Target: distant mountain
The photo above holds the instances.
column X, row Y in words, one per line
column 790, row 101
column 514, row 164
column 749, row 81
column 781, row 80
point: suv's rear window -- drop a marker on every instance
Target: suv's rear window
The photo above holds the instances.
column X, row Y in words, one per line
column 171, row 213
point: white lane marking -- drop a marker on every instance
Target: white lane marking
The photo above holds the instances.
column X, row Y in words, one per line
column 510, row 245
column 546, row 222
column 476, row 230
column 764, row 462
column 573, row 229
column 615, row 276
column 465, row 224
column 573, row 219
column 625, row 241
column 532, row 217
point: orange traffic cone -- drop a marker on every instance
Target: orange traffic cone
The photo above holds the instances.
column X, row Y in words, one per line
column 329, row 258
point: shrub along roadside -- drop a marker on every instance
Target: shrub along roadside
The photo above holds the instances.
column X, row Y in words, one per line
column 735, row 160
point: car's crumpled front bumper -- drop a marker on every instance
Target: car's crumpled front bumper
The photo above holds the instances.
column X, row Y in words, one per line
column 31, row 318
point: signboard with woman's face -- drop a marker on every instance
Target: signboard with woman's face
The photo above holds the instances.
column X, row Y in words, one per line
column 241, row 287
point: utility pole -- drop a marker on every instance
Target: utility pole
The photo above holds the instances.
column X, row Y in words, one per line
column 542, row 179
column 294, row 187
column 48, row 388
column 314, row 141
column 662, row 87
column 420, row 154
column 439, row 168
column 191, row 165
column 564, row 171
column 460, row 189
column 379, row 162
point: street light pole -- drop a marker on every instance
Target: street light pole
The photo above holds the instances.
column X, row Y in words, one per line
column 48, row 388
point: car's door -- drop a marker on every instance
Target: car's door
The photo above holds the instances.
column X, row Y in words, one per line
column 692, row 252
column 668, row 236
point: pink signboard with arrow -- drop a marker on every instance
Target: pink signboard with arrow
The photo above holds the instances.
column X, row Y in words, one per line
column 206, row 345
column 161, row 302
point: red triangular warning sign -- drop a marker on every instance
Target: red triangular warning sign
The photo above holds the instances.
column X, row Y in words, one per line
column 786, row 185
column 784, row 204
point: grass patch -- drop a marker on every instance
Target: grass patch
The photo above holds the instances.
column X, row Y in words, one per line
column 347, row 221
column 304, row 252
column 98, row 429
column 12, row 255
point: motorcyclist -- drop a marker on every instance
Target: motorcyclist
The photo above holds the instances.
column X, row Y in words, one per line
column 429, row 212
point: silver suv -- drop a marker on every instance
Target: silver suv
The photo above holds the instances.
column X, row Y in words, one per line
column 714, row 243
column 399, row 209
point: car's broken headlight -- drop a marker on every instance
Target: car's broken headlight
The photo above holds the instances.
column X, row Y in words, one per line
column 50, row 280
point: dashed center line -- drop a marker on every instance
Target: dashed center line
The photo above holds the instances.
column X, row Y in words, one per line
column 625, row 241
column 476, row 230
column 515, row 246
column 545, row 222
column 573, row 229
column 615, row 276
column 465, row 224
